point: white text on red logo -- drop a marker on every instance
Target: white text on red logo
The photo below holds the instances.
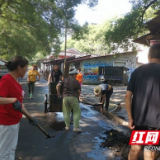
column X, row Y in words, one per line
column 145, row 137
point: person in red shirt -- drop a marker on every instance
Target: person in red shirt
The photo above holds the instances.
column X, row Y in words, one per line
column 11, row 107
column 79, row 77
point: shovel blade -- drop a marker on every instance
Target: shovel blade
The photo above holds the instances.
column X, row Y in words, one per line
column 48, row 136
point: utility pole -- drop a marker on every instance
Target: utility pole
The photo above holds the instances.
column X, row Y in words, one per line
column 66, row 29
column 64, row 66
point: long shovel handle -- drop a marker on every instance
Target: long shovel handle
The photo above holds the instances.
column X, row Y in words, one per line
column 30, row 118
column 43, row 130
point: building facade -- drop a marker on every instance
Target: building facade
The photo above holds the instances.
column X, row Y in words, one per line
column 90, row 66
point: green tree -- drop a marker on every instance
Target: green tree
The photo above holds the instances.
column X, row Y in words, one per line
column 32, row 26
column 23, row 29
column 124, row 30
column 92, row 41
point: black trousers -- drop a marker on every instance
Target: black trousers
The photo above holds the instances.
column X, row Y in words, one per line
column 108, row 95
column 31, row 87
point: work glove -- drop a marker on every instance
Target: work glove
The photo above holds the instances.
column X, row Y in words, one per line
column 17, row 105
column 33, row 122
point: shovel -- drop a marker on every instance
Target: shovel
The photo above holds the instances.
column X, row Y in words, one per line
column 40, row 128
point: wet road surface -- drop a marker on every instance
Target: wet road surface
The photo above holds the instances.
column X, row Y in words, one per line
column 118, row 96
column 67, row 145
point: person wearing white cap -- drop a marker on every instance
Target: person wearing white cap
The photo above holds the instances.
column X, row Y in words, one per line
column 71, row 93
column 104, row 91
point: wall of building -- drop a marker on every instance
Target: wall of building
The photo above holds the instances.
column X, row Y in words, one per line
column 138, row 65
column 90, row 67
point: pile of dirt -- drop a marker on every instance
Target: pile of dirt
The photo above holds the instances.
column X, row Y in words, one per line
column 118, row 143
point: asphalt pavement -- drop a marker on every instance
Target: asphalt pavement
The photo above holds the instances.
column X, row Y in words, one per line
column 66, row 145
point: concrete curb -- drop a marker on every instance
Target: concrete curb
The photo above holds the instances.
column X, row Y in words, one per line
column 110, row 114
column 113, row 117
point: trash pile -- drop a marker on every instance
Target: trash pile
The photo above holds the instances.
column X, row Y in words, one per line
column 118, row 143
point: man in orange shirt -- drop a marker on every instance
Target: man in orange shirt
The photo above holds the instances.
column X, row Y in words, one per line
column 79, row 77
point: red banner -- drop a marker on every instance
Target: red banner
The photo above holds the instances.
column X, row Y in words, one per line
column 144, row 137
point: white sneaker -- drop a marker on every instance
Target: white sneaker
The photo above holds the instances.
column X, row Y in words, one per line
column 66, row 128
column 77, row 130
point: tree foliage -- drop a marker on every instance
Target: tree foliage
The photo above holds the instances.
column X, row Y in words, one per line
column 117, row 35
column 132, row 25
column 32, row 26
column 92, row 41
column 23, row 29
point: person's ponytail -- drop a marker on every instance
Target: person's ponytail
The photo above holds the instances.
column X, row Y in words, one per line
column 8, row 65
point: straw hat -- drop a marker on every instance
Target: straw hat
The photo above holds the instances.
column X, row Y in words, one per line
column 97, row 90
